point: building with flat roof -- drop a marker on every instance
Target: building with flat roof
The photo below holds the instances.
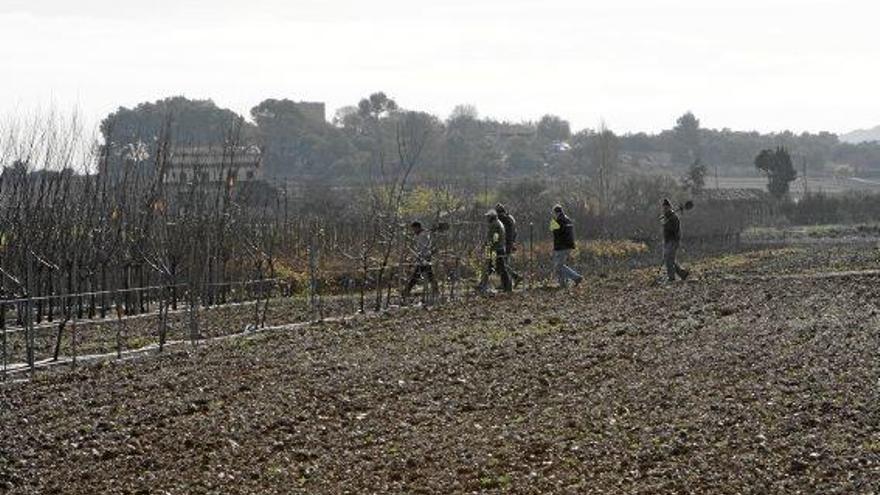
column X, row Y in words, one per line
column 212, row 164
column 315, row 110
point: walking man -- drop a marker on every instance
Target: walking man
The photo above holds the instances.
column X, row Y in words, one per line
column 563, row 242
column 495, row 245
column 509, row 240
column 423, row 250
column 671, row 241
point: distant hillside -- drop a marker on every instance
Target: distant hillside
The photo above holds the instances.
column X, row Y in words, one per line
column 861, row 135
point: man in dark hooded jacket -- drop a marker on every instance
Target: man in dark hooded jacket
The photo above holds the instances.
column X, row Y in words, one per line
column 671, row 241
column 509, row 240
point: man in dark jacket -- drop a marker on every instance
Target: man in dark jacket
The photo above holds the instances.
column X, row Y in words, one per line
column 563, row 243
column 671, row 241
column 495, row 245
column 509, row 240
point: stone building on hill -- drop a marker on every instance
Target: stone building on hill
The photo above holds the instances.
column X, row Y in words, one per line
column 210, row 164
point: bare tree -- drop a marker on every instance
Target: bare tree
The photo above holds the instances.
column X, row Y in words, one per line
column 605, row 163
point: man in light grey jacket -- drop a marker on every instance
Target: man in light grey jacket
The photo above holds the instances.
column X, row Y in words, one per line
column 423, row 250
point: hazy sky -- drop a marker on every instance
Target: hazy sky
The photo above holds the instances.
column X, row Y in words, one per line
column 743, row 64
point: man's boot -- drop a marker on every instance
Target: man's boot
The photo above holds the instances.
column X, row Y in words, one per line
column 517, row 279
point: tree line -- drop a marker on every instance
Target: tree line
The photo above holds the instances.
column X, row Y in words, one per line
column 299, row 145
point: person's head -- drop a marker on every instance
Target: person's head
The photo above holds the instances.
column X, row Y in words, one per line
column 491, row 215
column 500, row 209
column 557, row 210
column 416, row 227
column 666, row 205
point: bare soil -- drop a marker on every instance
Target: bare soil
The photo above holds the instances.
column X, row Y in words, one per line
column 736, row 381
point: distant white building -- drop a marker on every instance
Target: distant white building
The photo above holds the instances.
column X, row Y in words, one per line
column 646, row 159
column 559, row 147
column 212, row 164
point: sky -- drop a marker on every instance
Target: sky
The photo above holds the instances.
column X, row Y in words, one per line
column 767, row 65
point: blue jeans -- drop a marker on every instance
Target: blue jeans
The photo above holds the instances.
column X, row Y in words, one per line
column 564, row 273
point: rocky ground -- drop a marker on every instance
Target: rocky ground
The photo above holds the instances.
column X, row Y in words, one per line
column 110, row 335
column 759, row 375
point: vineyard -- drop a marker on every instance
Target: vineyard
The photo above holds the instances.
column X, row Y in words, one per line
column 104, row 249
column 45, row 331
column 96, row 257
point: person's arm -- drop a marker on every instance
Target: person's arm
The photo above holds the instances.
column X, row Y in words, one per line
column 415, row 246
column 430, row 246
column 420, row 246
column 498, row 235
